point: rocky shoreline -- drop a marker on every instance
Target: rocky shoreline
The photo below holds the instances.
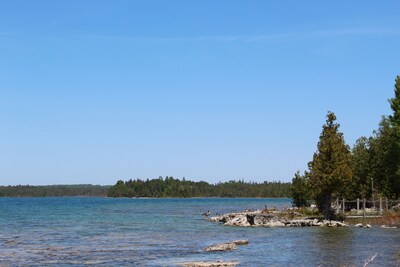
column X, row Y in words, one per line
column 264, row 218
column 261, row 218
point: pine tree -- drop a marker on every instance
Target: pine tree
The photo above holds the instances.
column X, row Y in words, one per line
column 361, row 161
column 395, row 105
column 393, row 159
column 330, row 170
column 299, row 191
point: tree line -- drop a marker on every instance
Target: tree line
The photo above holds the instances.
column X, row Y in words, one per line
column 171, row 187
column 53, row 190
column 371, row 168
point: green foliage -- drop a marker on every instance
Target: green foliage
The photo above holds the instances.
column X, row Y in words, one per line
column 170, row 187
column 53, row 190
column 383, row 171
column 384, row 162
column 361, row 161
column 394, row 152
column 330, row 170
column 395, row 106
column 300, row 191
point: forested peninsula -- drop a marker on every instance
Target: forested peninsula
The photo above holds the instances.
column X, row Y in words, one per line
column 54, row 190
column 158, row 188
column 171, row 187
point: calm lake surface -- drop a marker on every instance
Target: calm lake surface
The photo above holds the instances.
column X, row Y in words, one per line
column 74, row 231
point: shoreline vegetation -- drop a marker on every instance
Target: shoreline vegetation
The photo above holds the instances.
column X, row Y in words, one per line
column 175, row 188
column 370, row 170
column 74, row 190
column 155, row 188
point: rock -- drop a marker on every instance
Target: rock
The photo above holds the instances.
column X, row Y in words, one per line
column 239, row 220
column 388, row 227
column 240, row 242
column 275, row 224
column 257, row 218
column 209, row 264
column 341, row 224
column 221, row 247
column 227, row 246
column 214, row 219
column 266, row 220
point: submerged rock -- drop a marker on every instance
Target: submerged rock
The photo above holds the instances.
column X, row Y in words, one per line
column 388, row 227
column 221, row 247
column 240, row 242
column 227, row 246
column 209, row 264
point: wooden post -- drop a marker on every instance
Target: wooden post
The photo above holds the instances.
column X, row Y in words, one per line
column 387, row 205
column 364, row 206
column 337, row 206
column 358, row 206
column 344, row 202
column 380, row 205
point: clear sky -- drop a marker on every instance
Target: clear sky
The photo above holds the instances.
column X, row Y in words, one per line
column 94, row 91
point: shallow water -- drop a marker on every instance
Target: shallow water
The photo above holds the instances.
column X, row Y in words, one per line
column 162, row 232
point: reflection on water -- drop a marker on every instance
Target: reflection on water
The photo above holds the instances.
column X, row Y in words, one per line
column 162, row 232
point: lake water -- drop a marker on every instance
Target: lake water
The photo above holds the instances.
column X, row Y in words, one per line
column 162, row 232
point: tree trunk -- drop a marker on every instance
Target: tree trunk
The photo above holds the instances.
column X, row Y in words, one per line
column 327, row 206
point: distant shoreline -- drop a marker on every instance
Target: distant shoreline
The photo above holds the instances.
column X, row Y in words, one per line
column 83, row 190
column 85, row 196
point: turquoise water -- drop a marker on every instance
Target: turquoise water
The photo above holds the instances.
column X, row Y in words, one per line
column 162, row 232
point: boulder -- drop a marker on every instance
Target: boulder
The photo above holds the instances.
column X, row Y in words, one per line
column 263, row 219
column 238, row 220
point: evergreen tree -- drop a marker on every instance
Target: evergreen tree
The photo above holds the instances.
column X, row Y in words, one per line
column 299, row 191
column 330, row 169
column 383, row 164
column 395, row 106
column 393, row 153
column 361, row 161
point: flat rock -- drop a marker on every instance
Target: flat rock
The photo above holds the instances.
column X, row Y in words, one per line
column 388, row 227
column 221, row 247
column 209, row 264
column 240, row 242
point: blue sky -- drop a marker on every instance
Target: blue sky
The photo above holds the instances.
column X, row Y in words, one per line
column 95, row 91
